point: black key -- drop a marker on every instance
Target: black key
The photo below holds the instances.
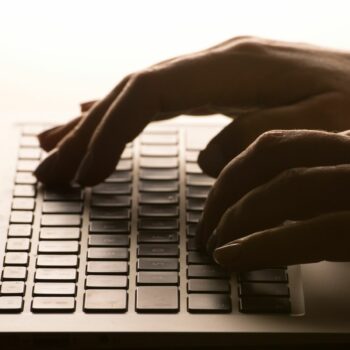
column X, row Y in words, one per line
column 25, row 178
column 13, row 288
column 158, row 237
column 53, row 304
column 199, row 180
column 198, row 258
column 158, row 186
column 159, row 174
column 54, row 260
column 14, row 258
column 158, row 163
column 106, row 281
column 62, row 207
column 266, row 275
column 161, row 250
column 158, row 211
column 108, row 254
column 264, row 289
column 28, row 191
column 21, row 217
column 55, row 274
column 29, row 153
column 158, row 224
column 157, row 278
column 208, row 286
column 191, row 230
column 105, row 301
column 112, row 188
column 107, row 268
column 71, row 194
column 124, row 165
column 195, row 204
column 209, row 303
column 110, row 201
column 264, row 305
column 14, row 273
column 119, row 176
column 109, row 213
column 54, row 289
column 154, row 139
column 193, row 168
column 20, row 231
column 112, row 226
column 11, row 304
column 193, row 217
column 206, row 271
column 27, row 165
column 109, row 241
column 60, row 220
column 159, row 151
column 62, row 247
column 197, row 191
column 18, row 245
column 157, row 299
column 23, row 203
column 157, row 264
column 192, row 245
column 60, row 233
column 158, row 198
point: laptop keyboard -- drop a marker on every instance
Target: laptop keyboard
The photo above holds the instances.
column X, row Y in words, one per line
column 71, row 245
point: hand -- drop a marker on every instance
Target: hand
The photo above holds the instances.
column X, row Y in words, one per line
column 265, row 84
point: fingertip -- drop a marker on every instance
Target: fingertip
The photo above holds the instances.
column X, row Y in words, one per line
column 211, row 160
column 228, row 255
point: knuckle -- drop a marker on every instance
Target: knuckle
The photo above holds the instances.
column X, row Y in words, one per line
column 268, row 140
column 142, row 81
column 291, row 176
column 250, row 45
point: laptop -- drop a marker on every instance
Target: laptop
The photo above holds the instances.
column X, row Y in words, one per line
column 116, row 265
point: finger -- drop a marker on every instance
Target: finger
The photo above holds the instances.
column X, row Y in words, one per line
column 60, row 166
column 322, row 238
column 86, row 106
column 296, row 194
column 319, row 112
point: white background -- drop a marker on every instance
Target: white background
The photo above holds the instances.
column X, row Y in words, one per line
column 55, row 54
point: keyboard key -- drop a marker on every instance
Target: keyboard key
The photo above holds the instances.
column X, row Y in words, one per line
column 106, row 281
column 25, row 178
column 158, row 163
column 158, row 198
column 159, row 174
column 109, row 213
column 33, row 130
column 157, row 151
column 193, row 168
column 55, row 274
column 264, row 289
column 109, row 241
column 127, row 154
column 157, row 299
column 159, row 186
column 60, row 233
column 105, row 301
column 11, row 304
column 20, row 231
column 18, row 245
column 29, row 153
column 62, row 207
column 19, row 259
column 195, row 204
column 191, row 230
column 107, row 268
column 197, row 191
column 24, row 191
column 158, row 237
column 124, row 165
column 109, row 226
column 110, row 201
column 157, row 278
column 192, row 156
column 158, row 224
column 154, row 139
column 209, row 303
column 53, row 304
column 23, row 204
column 14, row 273
column 108, row 254
column 192, row 245
column 158, row 211
column 208, row 286
column 62, row 247
column 266, row 275
column 54, row 289
column 60, row 220
column 198, row 258
column 27, row 165
column 53, row 260
column 119, row 176
column 206, row 271
column 69, row 194
column 264, row 305
column 161, row 250
column 13, row 288
column 112, row 188
column 158, row 264
column 21, row 217
column 193, row 217
column 199, row 180
column 29, row 141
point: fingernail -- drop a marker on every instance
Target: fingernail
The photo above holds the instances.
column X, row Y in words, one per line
column 84, row 170
column 211, row 243
column 45, row 169
column 227, row 254
column 212, row 159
